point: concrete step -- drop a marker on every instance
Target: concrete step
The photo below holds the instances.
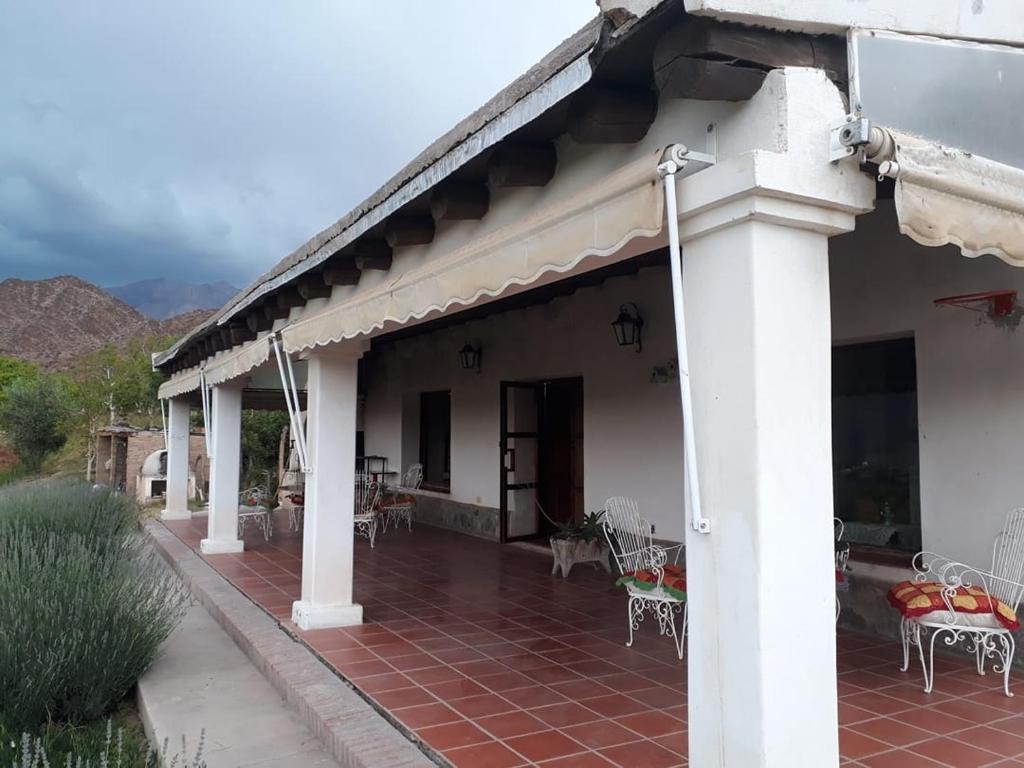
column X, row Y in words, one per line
column 204, row 682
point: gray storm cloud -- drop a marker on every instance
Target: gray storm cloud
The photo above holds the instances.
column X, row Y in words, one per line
column 204, row 141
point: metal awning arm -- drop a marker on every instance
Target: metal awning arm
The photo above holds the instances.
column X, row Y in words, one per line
column 291, row 399
column 681, row 161
column 204, row 395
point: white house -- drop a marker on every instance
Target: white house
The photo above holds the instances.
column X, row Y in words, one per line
column 825, row 380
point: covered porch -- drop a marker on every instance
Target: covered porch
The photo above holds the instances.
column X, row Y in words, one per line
column 577, row 208
column 476, row 650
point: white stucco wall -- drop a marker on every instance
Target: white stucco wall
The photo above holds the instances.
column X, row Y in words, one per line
column 632, row 428
column 969, row 376
column 995, row 20
column 883, row 284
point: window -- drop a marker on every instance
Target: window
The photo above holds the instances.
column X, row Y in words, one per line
column 436, row 439
column 875, row 444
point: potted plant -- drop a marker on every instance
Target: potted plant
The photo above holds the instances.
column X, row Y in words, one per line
column 580, row 541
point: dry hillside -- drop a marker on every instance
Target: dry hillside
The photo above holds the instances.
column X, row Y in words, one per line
column 54, row 322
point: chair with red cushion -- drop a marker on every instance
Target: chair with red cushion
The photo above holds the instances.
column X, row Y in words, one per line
column 959, row 602
column 652, row 583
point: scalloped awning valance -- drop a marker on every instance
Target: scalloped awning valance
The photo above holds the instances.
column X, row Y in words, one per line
column 949, row 196
column 595, row 222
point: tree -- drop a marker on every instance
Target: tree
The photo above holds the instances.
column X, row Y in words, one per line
column 11, row 370
column 35, row 418
column 115, row 383
column 261, row 435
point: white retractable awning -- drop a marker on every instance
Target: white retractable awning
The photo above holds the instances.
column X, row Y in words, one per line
column 948, row 196
column 220, row 369
column 598, row 221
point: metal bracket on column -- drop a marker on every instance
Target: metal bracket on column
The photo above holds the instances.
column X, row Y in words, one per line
column 291, row 399
column 680, row 161
column 844, row 138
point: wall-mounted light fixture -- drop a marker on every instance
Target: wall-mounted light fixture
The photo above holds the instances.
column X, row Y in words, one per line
column 469, row 357
column 628, row 326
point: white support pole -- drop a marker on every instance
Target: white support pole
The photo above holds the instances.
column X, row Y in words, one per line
column 327, row 538
column 163, row 419
column 177, row 441
column 669, row 170
column 291, row 400
column 225, row 466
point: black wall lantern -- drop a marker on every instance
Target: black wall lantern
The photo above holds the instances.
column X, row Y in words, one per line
column 628, row 325
column 469, row 358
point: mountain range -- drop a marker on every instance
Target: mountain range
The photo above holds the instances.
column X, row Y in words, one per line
column 56, row 321
column 164, row 298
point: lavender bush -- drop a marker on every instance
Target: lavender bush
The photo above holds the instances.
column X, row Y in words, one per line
column 84, row 603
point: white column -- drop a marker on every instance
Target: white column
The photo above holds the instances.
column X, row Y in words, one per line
column 176, row 502
column 327, row 537
column 225, row 466
column 762, row 667
column 761, row 654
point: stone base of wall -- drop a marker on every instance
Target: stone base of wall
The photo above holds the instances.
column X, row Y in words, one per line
column 457, row 516
column 865, row 608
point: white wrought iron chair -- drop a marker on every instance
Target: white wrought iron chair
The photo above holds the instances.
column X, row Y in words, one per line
column 842, row 558
column 254, row 507
column 367, row 509
column 631, row 541
column 413, row 477
column 396, row 505
column 982, row 633
column 296, row 511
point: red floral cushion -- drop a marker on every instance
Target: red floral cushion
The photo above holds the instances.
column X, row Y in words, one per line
column 674, row 581
column 915, row 599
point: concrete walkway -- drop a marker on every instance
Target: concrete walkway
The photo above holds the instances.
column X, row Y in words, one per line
column 203, row 681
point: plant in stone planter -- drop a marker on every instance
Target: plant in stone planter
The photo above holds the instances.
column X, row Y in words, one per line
column 580, row 541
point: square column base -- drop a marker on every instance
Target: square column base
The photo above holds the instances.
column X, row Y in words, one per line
column 176, row 514
column 309, row 616
column 221, row 546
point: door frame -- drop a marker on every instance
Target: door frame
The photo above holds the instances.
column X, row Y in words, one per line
column 504, row 455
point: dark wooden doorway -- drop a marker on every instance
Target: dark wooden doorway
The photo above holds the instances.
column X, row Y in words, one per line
column 542, row 456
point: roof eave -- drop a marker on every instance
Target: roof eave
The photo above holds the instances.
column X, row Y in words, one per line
column 569, row 77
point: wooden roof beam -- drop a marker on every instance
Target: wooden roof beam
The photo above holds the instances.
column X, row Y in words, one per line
column 258, row 321
column 289, row 297
column 273, row 311
column 460, row 201
column 602, row 114
column 707, row 59
column 522, row 165
column 313, row 287
column 343, row 273
column 240, row 333
column 409, row 230
column 372, row 254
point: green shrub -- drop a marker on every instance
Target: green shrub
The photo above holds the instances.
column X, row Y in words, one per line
column 35, row 415
column 69, row 506
column 13, row 474
column 84, row 603
column 96, row 745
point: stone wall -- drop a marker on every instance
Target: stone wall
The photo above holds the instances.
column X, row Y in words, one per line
column 442, row 512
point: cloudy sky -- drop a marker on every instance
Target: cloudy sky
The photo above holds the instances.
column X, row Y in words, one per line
column 204, row 140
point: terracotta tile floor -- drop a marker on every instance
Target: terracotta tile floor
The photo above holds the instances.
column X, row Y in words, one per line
column 494, row 663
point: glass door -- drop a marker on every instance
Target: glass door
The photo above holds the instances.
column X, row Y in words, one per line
column 520, row 443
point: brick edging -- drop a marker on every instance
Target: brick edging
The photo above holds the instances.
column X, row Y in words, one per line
column 351, row 730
